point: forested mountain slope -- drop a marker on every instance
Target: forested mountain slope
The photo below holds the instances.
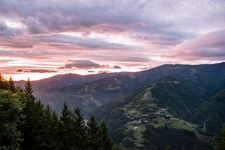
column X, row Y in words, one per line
column 161, row 108
column 92, row 91
column 147, row 118
column 212, row 113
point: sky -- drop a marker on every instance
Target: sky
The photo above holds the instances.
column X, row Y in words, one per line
column 42, row 38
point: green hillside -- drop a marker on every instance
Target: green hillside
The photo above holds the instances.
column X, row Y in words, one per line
column 142, row 119
column 161, row 108
column 212, row 113
column 92, row 91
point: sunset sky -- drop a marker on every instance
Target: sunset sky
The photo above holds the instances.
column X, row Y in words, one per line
column 41, row 38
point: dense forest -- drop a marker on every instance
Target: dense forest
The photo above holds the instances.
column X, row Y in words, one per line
column 26, row 124
column 220, row 142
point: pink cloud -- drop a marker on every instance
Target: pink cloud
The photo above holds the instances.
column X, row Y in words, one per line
column 36, row 35
column 209, row 46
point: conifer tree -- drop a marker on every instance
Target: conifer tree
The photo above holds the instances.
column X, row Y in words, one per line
column 93, row 134
column 105, row 139
column 46, row 132
column 10, row 111
column 220, row 144
column 79, row 129
column 29, row 91
column 11, row 84
column 67, row 129
column 66, row 116
column 33, row 115
column 53, row 134
column 1, row 82
column 27, row 124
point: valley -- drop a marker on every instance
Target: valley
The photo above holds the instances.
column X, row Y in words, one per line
column 165, row 107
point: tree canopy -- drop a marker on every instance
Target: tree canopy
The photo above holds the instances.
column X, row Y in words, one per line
column 25, row 123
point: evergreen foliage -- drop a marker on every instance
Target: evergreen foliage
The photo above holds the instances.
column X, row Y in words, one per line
column 25, row 123
column 29, row 91
column 220, row 144
column 10, row 115
column 80, row 130
column 104, row 138
column 6, row 84
column 11, row 84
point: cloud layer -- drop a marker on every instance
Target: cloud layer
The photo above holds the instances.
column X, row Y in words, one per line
column 82, row 64
column 85, row 36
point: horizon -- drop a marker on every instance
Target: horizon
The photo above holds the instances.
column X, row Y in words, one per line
column 25, row 77
column 40, row 40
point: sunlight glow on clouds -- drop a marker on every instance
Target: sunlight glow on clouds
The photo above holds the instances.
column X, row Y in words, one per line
column 14, row 24
column 41, row 39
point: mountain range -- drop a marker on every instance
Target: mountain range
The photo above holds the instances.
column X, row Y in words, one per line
column 167, row 107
